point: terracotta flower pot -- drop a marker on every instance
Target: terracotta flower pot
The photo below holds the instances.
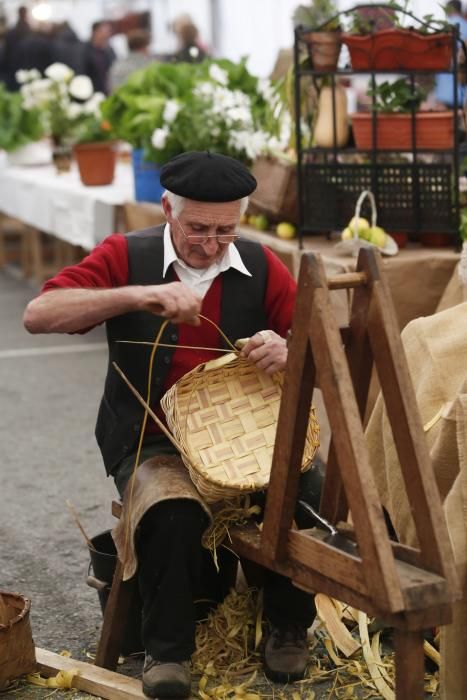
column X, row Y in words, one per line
column 96, row 162
column 434, row 130
column 392, row 49
column 324, row 49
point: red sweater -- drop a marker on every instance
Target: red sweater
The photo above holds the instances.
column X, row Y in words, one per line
column 107, row 266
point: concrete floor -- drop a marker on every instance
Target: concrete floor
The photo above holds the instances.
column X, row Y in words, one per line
column 49, row 392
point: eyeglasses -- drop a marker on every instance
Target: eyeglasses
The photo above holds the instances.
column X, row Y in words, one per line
column 195, row 238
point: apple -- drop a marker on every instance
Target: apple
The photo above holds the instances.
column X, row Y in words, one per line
column 378, row 236
column 286, row 230
column 261, row 223
column 347, row 234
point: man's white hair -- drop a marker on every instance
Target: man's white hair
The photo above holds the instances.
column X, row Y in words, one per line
column 178, row 203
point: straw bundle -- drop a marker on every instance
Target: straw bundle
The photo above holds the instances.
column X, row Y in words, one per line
column 17, row 653
column 223, row 414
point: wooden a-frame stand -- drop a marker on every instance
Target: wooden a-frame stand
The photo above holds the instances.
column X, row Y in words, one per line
column 410, row 589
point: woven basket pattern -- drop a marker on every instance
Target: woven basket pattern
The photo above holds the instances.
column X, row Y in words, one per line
column 225, row 418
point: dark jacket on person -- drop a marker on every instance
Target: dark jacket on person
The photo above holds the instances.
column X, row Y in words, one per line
column 242, row 314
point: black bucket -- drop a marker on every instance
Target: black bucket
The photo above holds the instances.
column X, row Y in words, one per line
column 103, row 562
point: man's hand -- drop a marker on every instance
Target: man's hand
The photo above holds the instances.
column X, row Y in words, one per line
column 267, row 350
column 174, row 301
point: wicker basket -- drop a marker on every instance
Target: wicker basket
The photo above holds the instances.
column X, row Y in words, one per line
column 17, row 652
column 224, row 415
column 353, row 245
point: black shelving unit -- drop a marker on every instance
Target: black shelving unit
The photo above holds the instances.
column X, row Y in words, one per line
column 415, row 195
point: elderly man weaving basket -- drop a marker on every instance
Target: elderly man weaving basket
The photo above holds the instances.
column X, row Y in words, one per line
column 194, row 268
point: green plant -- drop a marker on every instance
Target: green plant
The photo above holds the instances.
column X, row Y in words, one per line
column 463, row 224
column 18, row 126
column 64, row 100
column 93, row 128
column 397, row 96
column 167, row 109
column 318, row 14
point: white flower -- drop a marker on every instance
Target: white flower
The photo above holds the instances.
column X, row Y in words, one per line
column 59, row 72
column 81, row 87
column 266, row 89
column 22, row 76
column 204, row 90
column 218, row 74
column 34, row 74
column 253, row 143
column 92, row 106
column 73, row 110
column 159, row 138
column 171, row 110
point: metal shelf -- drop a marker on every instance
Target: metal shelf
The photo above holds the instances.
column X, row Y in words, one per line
column 412, row 196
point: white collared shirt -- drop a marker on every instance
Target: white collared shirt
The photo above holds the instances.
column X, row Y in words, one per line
column 200, row 280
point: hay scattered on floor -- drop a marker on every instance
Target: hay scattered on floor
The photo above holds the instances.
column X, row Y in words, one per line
column 228, row 659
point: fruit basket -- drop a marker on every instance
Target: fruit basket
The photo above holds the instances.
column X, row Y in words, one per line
column 356, row 236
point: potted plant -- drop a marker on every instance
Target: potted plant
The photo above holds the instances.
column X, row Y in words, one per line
column 374, row 46
column 21, row 130
column 59, row 96
column 166, row 109
column 394, row 107
column 319, row 28
column 95, row 149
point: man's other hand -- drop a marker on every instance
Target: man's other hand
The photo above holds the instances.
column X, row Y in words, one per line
column 267, row 350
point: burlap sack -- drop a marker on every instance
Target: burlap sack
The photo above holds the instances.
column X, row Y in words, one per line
column 436, row 350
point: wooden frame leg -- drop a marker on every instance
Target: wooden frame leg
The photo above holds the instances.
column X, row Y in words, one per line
column 115, row 618
column 410, row 668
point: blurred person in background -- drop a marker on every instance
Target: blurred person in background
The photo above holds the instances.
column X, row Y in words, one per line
column 12, row 39
column 190, row 48
column 99, row 56
column 138, row 41
column 68, row 48
column 444, row 86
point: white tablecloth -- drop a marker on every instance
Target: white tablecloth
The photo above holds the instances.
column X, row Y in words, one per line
column 60, row 204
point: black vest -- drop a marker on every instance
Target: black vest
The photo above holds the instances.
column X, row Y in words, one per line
column 242, row 315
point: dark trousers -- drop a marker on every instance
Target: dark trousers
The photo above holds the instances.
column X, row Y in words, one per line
column 175, row 571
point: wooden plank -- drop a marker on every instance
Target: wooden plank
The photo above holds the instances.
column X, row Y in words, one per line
column 91, row 679
column 307, row 545
column 404, row 416
column 343, row 413
column 246, row 541
column 334, row 505
column 291, row 427
column 409, row 664
column 347, row 280
column 115, row 617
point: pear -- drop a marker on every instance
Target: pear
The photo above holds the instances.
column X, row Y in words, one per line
column 363, row 226
column 346, row 234
column 378, row 236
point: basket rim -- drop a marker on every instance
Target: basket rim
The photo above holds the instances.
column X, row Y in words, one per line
column 21, row 615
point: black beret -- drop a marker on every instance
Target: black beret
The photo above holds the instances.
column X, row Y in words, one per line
column 207, row 177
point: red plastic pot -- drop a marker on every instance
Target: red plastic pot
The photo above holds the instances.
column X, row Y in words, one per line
column 434, row 130
column 404, row 49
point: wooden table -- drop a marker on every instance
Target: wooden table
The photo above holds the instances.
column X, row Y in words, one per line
column 59, row 205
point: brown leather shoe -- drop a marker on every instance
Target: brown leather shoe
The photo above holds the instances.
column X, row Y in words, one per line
column 286, row 653
column 166, row 679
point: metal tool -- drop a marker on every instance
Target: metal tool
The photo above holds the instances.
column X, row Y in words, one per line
column 334, row 538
